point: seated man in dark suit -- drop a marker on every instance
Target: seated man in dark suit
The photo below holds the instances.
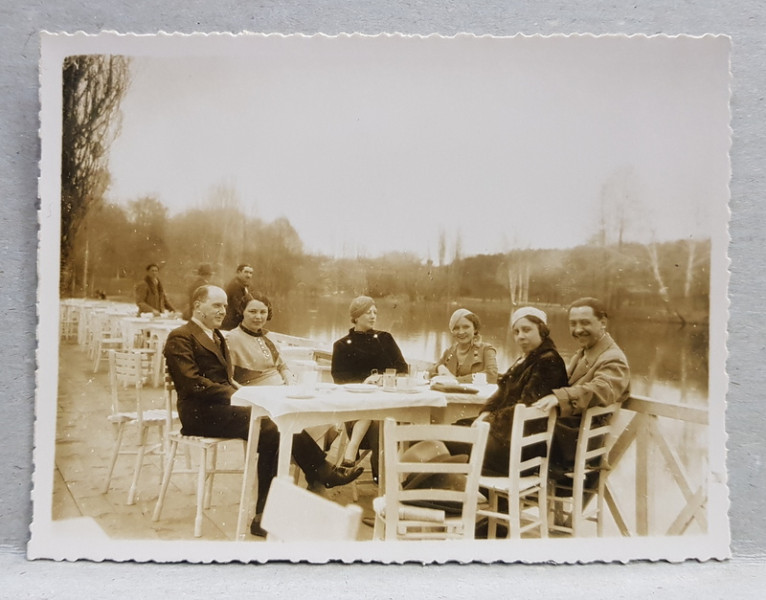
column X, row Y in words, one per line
column 198, row 362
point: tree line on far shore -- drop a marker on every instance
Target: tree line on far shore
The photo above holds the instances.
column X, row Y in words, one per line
column 114, row 244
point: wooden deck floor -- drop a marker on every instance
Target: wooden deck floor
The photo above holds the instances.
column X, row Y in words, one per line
column 84, row 441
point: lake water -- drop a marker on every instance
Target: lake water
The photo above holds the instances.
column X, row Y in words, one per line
column 668, row 362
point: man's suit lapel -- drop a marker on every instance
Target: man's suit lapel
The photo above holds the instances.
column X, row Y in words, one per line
column 577, row 368
column 205, row 341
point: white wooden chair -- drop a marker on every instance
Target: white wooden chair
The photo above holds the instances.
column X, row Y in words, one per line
column 580, row 497
column 415, row 513
column 128, row 373
column 69, row 321
column 525, row 488
column 207, row 468
column 294, row 514
column 106, row 335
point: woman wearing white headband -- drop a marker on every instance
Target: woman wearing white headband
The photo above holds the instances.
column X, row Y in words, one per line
column 537, row 372
column 468, row 354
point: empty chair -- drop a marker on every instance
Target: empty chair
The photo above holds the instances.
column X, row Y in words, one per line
column 69, row 321
column 106, row 335
column 577, row 496
column 128, row 373
column 525, row 488
column 207, row 468
column 429, row 500
column 294, row 514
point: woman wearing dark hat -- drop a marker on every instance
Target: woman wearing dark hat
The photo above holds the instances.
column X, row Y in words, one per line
column 468, row 354
column 361, row 357
column 539, row 370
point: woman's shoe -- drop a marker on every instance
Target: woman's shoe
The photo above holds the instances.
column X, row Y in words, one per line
column 333, row 476
column 349, row 464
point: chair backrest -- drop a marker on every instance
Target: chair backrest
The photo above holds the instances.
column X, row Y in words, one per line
column 594, row 439
column 128, row 372
column 293, row 514
column 531, row 438
column 415, row 512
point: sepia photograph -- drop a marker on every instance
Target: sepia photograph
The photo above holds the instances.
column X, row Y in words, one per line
column 382, row 298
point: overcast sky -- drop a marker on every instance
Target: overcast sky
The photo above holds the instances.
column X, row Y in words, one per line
column 370, row 145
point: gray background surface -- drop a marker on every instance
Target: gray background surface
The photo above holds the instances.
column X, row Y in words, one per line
column 744, row 576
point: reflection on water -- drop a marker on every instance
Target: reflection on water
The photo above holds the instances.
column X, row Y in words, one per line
column 668, row 363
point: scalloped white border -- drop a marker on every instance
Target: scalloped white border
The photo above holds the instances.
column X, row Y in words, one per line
column 44, row 543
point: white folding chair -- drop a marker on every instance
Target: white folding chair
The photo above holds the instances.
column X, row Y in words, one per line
column 128, row 373
column 525, row 488
column 294, row 514
column 445, row 508
column 572, row 500
column 207, row 467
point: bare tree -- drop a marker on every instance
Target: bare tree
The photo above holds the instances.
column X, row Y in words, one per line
column 92, row 89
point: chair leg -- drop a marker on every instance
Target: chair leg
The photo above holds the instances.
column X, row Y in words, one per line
column 201, row 477
column 600, row 508
column 115, row 454
column 210, row 475
column 138, row 465
column 97, row 356
column 514, row 516
column 377, row 528
column 492, row 521
column 542, row 503
column 165, row 480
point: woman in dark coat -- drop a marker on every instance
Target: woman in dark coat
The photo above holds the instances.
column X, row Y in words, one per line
column 361, row 357
column 539, row 370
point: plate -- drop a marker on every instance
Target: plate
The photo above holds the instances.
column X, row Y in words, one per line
column 326, row 387
column 445, row 380
column 300, row 395
column 360, row 388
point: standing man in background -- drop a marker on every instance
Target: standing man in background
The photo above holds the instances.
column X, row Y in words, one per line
column 150, row 295
column 204, row 272
column 236, row 290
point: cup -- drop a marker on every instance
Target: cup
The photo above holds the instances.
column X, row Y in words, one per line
column 307, row 382
column 479, row 379
column 306, row 375
column 389, row 380
column 404, row 383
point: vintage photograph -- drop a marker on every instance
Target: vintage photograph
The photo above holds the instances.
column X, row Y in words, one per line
column 382, row 298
